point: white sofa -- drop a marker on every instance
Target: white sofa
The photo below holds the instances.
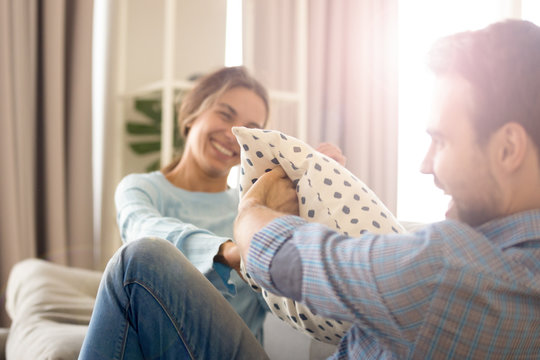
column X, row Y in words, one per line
column 50, row 306
column 51, row 311
column 50, row 314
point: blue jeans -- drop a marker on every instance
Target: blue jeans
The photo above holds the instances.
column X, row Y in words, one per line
column 153, row 304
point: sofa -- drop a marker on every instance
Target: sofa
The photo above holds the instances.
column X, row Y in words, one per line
column 50, row 306
column 54, row 307
column 51, row 311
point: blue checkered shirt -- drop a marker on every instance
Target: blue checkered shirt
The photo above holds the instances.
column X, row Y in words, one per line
column 448, row 291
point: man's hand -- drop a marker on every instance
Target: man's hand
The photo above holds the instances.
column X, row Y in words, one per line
column 273, row 195
column 274, row 190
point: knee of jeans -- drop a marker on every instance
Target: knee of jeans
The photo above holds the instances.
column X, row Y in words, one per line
column 145, row 254
column 147, row 248
column 150, row 255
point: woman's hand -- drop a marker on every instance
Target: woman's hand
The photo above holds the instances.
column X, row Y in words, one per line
column 333, row 152
column 229, row 254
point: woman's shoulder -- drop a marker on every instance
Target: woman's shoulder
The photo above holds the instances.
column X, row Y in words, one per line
column 143, row 178
column 147, row 182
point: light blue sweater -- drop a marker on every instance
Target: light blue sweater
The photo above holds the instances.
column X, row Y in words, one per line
column 197, row 223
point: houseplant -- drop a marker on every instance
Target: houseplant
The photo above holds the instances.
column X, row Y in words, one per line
column 145, row 135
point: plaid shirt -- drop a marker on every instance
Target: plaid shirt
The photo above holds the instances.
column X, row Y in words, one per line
column 448, row 291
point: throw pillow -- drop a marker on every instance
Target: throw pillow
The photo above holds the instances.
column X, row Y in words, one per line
column 328, row 193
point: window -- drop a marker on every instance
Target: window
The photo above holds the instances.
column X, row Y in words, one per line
column 233, row 57
column 233, row 37
column 421, row 23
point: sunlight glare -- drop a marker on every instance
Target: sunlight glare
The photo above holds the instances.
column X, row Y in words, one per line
column 530, row 10
column 421, row 23
column 234, row 57
column 233, row 35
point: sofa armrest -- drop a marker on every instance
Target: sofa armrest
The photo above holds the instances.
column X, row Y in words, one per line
column 50, row 307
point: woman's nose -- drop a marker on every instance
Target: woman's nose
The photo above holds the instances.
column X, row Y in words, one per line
column 229, row 136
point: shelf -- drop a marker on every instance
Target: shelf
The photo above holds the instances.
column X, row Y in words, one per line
column 158, row 86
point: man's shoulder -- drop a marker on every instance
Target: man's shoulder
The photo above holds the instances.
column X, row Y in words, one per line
column 492, row 245
column 454, row 240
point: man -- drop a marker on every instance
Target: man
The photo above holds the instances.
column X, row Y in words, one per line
column 467, row 287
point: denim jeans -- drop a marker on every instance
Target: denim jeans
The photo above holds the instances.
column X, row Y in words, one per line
column 153, row 304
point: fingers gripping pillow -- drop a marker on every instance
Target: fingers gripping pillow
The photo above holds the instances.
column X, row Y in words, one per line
column 327, row 193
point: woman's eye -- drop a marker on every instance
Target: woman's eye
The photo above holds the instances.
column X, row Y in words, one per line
column 225, row 115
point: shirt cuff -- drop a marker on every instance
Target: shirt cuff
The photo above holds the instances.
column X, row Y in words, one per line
column 224, row 273
column 264, row 246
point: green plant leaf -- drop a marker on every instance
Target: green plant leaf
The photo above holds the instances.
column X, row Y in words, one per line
column 145, row 147
column 150, row 108
column 137, row 128
column 153, row 166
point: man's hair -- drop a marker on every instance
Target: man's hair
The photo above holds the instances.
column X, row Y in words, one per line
column 502, row 64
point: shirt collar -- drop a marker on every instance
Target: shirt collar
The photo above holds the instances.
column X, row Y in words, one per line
column 514, row 229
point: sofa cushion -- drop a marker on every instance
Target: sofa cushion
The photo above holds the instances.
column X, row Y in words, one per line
column 328, row 194
column 50, row 306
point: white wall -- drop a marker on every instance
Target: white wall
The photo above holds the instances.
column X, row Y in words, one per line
column 200, row 39
column 199, row 48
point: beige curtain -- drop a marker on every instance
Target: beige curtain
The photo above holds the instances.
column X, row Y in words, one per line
column 270, row 50
column 353, row 86
column 352, row 78
column 45, row 141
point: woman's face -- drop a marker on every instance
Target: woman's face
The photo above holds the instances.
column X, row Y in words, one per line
column 211, row 143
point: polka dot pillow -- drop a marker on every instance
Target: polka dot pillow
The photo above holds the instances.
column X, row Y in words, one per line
column 328, row 193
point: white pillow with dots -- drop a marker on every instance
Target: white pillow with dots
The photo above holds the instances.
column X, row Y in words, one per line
column 327, row 193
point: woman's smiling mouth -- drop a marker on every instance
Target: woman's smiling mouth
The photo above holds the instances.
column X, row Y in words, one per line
column 222, row 149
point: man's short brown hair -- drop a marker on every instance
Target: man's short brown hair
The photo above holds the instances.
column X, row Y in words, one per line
column 502, row 63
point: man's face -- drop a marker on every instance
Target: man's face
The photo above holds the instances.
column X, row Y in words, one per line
column 460, row 166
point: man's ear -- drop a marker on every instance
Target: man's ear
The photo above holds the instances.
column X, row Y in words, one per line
column 512, row 142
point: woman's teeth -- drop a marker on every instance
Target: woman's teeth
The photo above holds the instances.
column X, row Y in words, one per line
column 222, row 150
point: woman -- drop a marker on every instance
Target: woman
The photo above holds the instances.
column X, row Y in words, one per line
column 189, row 203
column 156, row 301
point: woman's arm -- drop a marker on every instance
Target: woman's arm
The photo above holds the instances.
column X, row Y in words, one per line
column 138, row 216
